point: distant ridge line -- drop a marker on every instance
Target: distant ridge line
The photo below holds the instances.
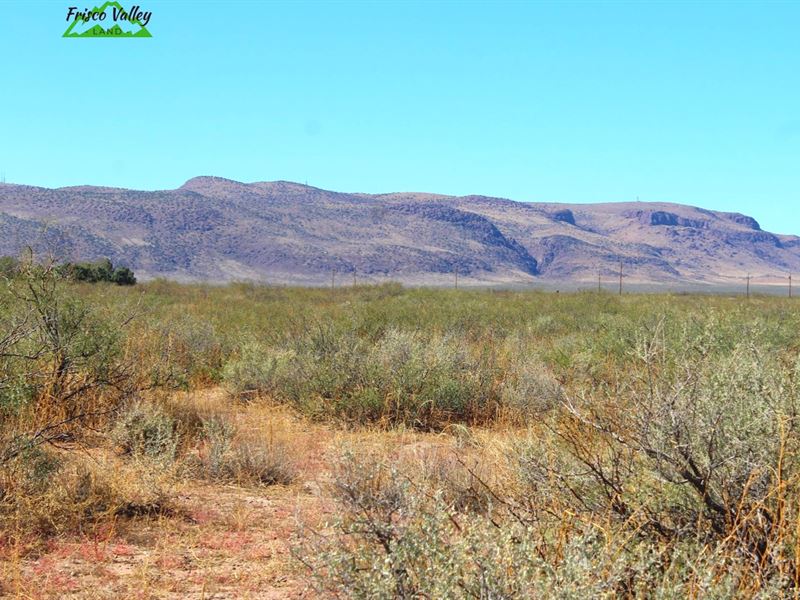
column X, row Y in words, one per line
column 217, row 229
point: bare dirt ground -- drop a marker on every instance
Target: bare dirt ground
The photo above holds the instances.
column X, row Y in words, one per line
column 224, row 542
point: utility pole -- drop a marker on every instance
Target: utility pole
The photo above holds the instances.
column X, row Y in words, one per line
column 333, row 279
column 456, row 274
column 748, row 285
column 620, row 277
column 599, row 282
column 790, row 285
column 354, row 277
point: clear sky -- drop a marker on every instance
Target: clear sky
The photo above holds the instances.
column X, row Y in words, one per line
column 697, row 103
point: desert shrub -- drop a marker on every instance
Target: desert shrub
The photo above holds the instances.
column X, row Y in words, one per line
column 463, row 479
column 377, row 507
column 61, row 361
column 670, row 473
column 144, row 429
column 253, row 369
column 699, row 443
column 402, row 377
column 253, row 460
column 529, row 388
column 188, row 419
column 198, row 348
column 393, row 537
column 424, row 381
column 179, row 351
column 217, row 439
column 64, row 372
column 397, row 537
column 17, row 389
column 322, row 367
column 227, row 454
column 32, row 470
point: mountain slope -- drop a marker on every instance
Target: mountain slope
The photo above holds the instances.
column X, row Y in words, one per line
column 217, row 229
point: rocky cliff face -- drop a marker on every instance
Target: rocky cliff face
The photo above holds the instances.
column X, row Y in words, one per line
column 220, row 230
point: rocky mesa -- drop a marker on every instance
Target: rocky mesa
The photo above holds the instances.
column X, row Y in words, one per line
column 215, row 229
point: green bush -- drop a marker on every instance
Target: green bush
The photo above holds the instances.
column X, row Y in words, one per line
column 253, row 368
column 402, row 377
column 123, row 276
column 697, row 441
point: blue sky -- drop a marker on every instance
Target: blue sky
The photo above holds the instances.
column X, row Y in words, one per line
column 697, row 103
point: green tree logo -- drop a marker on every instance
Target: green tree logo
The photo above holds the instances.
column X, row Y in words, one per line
column 122, row 24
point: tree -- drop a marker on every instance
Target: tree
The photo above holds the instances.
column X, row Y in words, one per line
column 123, row 276
column 101, row 270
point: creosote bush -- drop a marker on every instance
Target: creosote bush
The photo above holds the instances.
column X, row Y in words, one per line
column 401, row 377
column 397, row 534
column 700, row 443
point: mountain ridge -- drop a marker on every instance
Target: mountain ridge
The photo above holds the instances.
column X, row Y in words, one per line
column 217, row 229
